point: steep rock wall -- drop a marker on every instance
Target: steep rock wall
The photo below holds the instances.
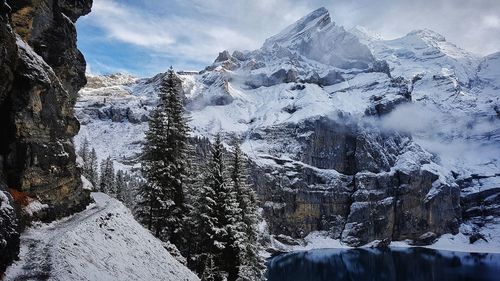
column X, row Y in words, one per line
column 357, row 184
column 41, row 71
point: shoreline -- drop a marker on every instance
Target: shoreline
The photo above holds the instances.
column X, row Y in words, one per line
column 447, row 242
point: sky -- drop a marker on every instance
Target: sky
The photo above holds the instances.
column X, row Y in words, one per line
column 145, row 37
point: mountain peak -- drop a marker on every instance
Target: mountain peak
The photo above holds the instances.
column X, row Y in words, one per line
column 365, row 35
column 316, row 37
column 315, row 20
column 318, row 12
column 427, row 34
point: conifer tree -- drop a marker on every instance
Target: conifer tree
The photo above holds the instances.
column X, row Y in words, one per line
column 84, row 153
column 152, row 200
column 177, row 140
column 164, row 205
column 251, row 265
column 218, row 213
column 92, row 174
column 107, row 183
column 121, row 185
column 211, row 272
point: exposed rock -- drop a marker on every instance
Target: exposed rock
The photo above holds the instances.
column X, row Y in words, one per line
column 352, row 188
column 381, row 66
column 75, row 9
column 333, row 77
column 47, row 26
column 382, row 105
column 41, row 71
column 223, row 56
column 239, row 55
column 287, row 240
column 425, row 239
column 282, row 76
column 9, row 226
column 317, row 37
column 477, row 236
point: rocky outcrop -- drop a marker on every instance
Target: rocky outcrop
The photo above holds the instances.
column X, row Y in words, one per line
column 357, row 184
column 41, row 71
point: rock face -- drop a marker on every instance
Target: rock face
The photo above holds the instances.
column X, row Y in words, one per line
column 357, row 185
column 41, row 72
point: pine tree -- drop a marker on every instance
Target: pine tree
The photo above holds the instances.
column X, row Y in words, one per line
column 211, row 272
column 251, row 265
column 92, row 174
column 153, row 168
column 218, row 213
column 121, row 185
column 108, row 183
column 84, row 153
column 177, row 139
column 163, row 200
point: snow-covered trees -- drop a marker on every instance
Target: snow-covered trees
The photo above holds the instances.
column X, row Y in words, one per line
column 121, row 185
column 92, row 168
column 164, row 166
column 84, row 152
column 227, row 218
column 216, row 212
column 107, row 179
column 251, row 266
column 90, row 162
column 205, row 207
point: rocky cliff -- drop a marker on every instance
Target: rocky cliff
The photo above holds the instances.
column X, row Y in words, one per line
column 41, row 72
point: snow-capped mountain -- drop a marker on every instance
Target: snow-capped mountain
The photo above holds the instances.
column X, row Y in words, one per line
column 361, row 138
column 425, row 51
column 316, row 37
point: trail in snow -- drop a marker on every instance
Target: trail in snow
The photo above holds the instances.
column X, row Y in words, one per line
column 101, row 243
column 38, row 243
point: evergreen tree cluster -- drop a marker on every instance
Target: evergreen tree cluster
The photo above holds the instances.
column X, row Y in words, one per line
column 122, row 185
column 202, row 206
column 90, row 162
column 226, row 217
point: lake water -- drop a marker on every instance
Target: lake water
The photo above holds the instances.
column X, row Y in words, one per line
column 398, row 264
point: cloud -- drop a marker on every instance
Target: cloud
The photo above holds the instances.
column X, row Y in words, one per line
column 191, row 33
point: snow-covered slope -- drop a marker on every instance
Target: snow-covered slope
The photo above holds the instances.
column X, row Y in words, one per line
column 489, row 70
column 319, row 109
column 455, row 99
column 316, row 37
column 422, row 52
column 104, row 242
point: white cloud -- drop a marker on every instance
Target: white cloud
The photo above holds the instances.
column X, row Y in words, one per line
column 491, row 21
column 197, row 30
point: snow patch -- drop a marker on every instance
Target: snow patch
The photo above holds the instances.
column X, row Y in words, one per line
column 104, row 242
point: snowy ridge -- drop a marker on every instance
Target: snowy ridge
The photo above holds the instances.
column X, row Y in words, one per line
column 489, row 70
column 104, row 242
column 425, row 51
column 304, row 27
column 316, row 37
